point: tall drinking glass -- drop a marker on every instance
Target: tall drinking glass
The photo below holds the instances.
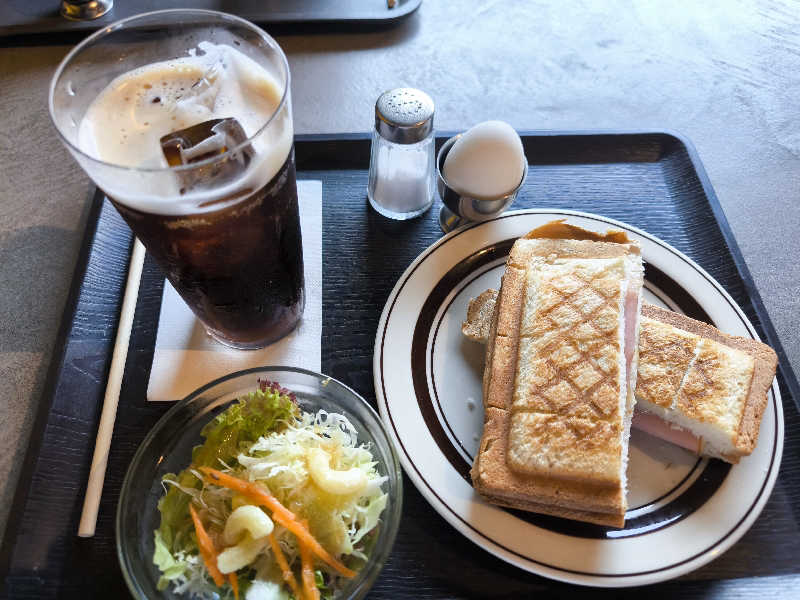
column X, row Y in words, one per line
column 183, row 118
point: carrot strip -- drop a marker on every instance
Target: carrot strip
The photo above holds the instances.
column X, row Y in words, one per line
column 206, row 548
column 234, row 581
column 307, row 567
column 281, row 515
column 288, row 576
column 251, row 490
column 304, row 537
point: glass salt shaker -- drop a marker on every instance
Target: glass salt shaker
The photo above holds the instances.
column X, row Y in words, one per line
column 401, row 167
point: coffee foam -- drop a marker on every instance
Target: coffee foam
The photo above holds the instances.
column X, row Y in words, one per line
column 124, row 124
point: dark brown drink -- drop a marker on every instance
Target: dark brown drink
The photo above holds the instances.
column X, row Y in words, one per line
column 189, row 132
column 240, row 268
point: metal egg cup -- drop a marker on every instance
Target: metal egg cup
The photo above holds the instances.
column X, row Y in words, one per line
column 459, row 209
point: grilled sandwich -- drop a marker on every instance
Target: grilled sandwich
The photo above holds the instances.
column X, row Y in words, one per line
column 560, row 375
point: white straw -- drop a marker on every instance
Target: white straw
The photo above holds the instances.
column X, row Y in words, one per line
column 97, row 474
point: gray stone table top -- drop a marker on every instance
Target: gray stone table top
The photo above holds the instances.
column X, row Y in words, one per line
column 726, row 75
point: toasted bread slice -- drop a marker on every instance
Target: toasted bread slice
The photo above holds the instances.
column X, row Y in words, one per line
column 721, row 393
column 665, row 354
column 478, row 325
column 558, row 383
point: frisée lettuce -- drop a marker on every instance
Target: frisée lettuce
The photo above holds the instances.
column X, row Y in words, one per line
column 277, row 503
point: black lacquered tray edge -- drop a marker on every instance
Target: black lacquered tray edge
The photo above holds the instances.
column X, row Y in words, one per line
column 51, row 382
column 789, row 376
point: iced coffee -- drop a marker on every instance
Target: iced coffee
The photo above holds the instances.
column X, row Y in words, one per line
column 196, row 153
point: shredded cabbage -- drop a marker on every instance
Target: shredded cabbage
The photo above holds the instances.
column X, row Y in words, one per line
column 265, row 438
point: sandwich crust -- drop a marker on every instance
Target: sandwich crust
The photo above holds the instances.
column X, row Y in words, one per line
column 557, row 511
column 498, row 378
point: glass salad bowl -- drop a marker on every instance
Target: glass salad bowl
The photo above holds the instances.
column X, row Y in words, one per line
column 168, row 449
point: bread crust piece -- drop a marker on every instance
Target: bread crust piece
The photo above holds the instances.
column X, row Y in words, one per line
column 555, row 511
column 765, row 364
column 479, row 316
column 480, row 308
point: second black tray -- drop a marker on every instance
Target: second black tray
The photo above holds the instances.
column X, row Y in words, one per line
column 42, row 17
column 651, row 180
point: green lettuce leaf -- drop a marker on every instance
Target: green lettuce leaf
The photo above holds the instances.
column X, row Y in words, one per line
column 230, row 433
column 236, row 428
column 325, row 590
column 371, row 516
column 170, row 567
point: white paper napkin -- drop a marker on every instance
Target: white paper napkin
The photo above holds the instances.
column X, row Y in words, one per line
column 186, row 357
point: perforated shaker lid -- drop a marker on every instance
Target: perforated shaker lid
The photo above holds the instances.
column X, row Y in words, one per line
column 404, row 115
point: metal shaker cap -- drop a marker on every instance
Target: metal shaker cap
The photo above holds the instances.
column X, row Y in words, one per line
column 404, row 115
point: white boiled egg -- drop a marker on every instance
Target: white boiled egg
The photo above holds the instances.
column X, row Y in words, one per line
column 485, row 162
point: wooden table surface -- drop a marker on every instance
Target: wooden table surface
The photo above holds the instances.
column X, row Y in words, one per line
column 723, row 74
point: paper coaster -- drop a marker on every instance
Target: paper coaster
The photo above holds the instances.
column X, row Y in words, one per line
column 186, row 357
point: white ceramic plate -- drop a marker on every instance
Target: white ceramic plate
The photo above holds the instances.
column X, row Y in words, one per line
column 684, row 511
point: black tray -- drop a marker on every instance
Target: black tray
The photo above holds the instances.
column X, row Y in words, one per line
column 25, row 17
column 651, row 180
